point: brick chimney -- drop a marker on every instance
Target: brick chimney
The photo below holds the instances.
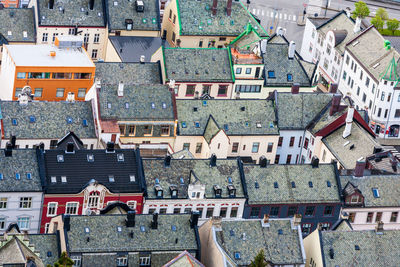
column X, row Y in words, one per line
column 335, row 104
column 214, row 7
column 295, row 88
column 360, row 167
column 229, row 8
column 333, row 88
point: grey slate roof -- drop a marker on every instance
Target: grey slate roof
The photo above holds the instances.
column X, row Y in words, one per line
column 74, row 13
column 324, row 119
column 18, row 21
column 140, row 99
column 296, row 111
column 279, row 249
column 148, row 20
column 196, row 18
column 227, row 113
column 51, row 119
column 388, row 186
column 276, row 59
column 379, row 250
column 394, row 41
column 128, row 73
column 284, row 175
column 22, row 161
column 43, row 244
column 318, row 21
column 131, row 48
column 104, row 236
column 189, row 170
column 197, row 64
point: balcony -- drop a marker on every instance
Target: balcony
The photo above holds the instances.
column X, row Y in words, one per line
column 245, row 57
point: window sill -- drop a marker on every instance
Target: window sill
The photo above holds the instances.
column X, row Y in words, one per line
column 222, row 95
column 189, row 95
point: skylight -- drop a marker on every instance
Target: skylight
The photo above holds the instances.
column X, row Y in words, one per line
column 17, row 176
column 14, row 122
column 237, row 255
column 310, row 184
column 293, row 184
column 85, row 123
column 290, row 77
column 63, row 179
column 230, row 180
column 111, row 179
column 280, row 232
column 87, row 230
column 258, row 124
column 53, row 179
column 184, row 124
column 32, row 119
column 132, row 178
column 256, row 185
column 90, row 158
column 204, row 103
column 328, row 183
column 120, row 157
column 157, row 181
column 60, row 158
column 70, row 120
column 173, row 228
column 1, row 176
column 226, row 127
column 108, row 105
column 276, row 185
column 375, row 191
column 181, row 181
column 271, row 74
column 376, row 65
column 197, row 124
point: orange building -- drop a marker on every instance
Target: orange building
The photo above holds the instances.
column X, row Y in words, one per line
column 10, row 3
column 52, row 71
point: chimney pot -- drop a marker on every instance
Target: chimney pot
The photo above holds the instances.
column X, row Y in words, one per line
column 70, row 148
column 51, row 4
column 295, row 88
column 167, row 161
column 91, row 4
column 130, row 220
column 333, row 88
column 315, row 162
column 263, row 162
column 110, row 147
column 13, row 140
column 359, row 169
column 214, row 7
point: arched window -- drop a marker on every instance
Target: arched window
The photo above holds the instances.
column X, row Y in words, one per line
column 93, row 201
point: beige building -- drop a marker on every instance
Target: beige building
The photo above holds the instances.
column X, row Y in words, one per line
column 192, row 23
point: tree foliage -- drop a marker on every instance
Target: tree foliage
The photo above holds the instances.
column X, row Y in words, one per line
column 64, row 261
column 361, row 10
column 377, row 22
column 381, row 12
column 259, row 260
column 392, row 24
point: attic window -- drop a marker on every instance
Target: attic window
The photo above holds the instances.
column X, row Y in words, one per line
column 204, row 103
column 53, row 179
column 290, row 77
column 111, row 179
column 17, row 176
column 256, row 185
column 132, row 178
column 226, row 127
column 69, row 120
column 357, row 247
column 276, row 185
column 375, row 191
column 237, row 255
column 197, row 124
column 310, row 184
column 184, row 124
column 32, row 119
column 63, row 179
column 14, row 122
column 29, row 176
column 293, row 184
column 328, row 183
column 90, row 158
column 1, row 176
column 120, row 157
column 154, row 20
column 271, row 74
column 25, row 34
column 85, row 123
column 60, row 158
column 376, row 65
column 230, row 180
column 258, row 124
column 82, row 9
column 280, row 232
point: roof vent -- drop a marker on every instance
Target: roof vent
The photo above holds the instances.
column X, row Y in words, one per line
column 139, row 6
column 142, row 58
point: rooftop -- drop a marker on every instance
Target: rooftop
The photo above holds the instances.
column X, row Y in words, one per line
column 242, row 240
column 195, row 18
column 183, row 172
column 39, row 56
column 20, row 172
column 113, row 73
column 388, row 187
column 88, row 166
column 374, row 249
column 197, row 64
column 71, row 13
column 17, row 24
column 278, row 184
column 139, row 102
column 47, row 120
column 252, row 117
column 121, row 10
column 185, row 259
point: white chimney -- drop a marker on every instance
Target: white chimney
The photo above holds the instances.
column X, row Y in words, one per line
column 348, row 13
column 23, row 99
column 142, row 58
column 279, row 31
column 357, row 26
column 292, row 49
column 263, row 45
column 70, row 97
column 121, row 89
column 171, row 84
column 349, row 122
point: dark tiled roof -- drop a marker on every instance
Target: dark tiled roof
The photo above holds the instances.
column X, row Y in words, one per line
column 279, row 249
column 148, row 20
column 197, row 64
column 340, row 35
column 296, row 111
column 227, row 113
column 387, row 185
column 196, row 18
column 140, row 99
column 74, row 13
column 43, row 244
column 113, row 73
column 284, row 175
column 22, row 161
column 276, row 59
column 394, row 41
column 375, row 249
column 104, row 236
column 51, row 119
column 131, row 48
column 80, row 172
column 189, row 170
column 17, row 21
column 318, row 21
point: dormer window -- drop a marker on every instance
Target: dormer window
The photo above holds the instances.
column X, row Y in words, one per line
column 129, row 24
column 159, row 191
column 217, row 191
column 231, row 190
column 174, row 191
column 375, row 191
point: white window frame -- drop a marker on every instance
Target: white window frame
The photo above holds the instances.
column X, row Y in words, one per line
column 77, row 261
column 27, row 200
column 145, row 261
column 69, row 203
column 3, row 203
column 25, row 220
column 130, row 202
column 49, row 206
column 96, row 38
column 95, row 198
column 46, row 228
column 122, row 261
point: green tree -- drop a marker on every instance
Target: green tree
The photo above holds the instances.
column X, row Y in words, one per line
column 377, row 22
column 361, row 10
column 381, row 12
column 392, row 24
column 64, row 261
column 259, row 260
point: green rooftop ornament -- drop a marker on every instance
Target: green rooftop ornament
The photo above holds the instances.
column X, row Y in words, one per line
column 387, row 45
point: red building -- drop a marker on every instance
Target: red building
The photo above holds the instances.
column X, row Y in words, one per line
column 78, row 181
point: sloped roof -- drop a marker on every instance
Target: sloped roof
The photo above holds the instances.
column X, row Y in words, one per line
column 185, row 259
column 391, row 72
column 17, row 21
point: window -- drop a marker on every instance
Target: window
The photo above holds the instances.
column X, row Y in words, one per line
column 39, row 75
column 367, row 82
column 222, row 90
column 62, row 75
column 270, row 147
column 364, row 98
column 54, row 37
column 369, row 217
column 93, row 200
column 186, row 146
column 292, row 211
column 198, row 147
column 94, row 53
column 173, row 37
column 131, row 204
column 23, row 223
column 271, row 74
column 238, row 70
column 393, row 217
column 86, row 38
column 383, row 96
column 235, row 147
column 201, row 43
column 144, row 261
column 328, row 211
column 344, row 75
column 80, row 76
column 326, row 64
column 328, row 49
column 234, row 211
column 190, row 90
column 147, row 129
column 274, row 212
column 255, row 147
column 71, row 208
column 81, row 92
column 210, row 212
column 248, row 70
column 96, row 38
column 51, row 209
column 248, row 88
column 164, row 129
column 44, row 37
column 379, row 112
column 122, row 261
column 177, row 210
column 280, row 141
column 288, row 159
column 309, row 211
column 306, row 228
column 277, row 157
column 21, row 75
column 347, row 60
column 25, row 203
column 38, row 92
column 325, row 226
column 222, row 212
column 206, row 89
column 255, row 212
column 397, row 113
column 77, row 261
column 60, row 92
column 131, row 130
column 3, row 203
column 310, row 48
column 352, row 216
column 358, row 90
column 306, row 143
column 2, row 223
column 170, row 14
column 71, row 31
column 389, row 97
column 378, row 217
column 386, row 113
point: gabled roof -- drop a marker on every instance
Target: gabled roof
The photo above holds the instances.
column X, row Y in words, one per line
column 16, row 252
column 185, row 259
column 246, row 38
column 211, row 130
column 19, row 22
column 70, row 138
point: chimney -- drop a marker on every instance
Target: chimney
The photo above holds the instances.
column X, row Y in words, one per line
column 91, row 4
column 295, row 88
column 110, row 147
column 70, row 97
column 67, row 224
column 8, row 150
column 53, row 53
column 23, row 99
column 344, row 215
column 357, row 25
column 335, row 104
column 13, row 140
column 26, row 236
column 360, row 166
column 348, row 13
column 154, row 222
column 130, row 219
column 70, row 148
column 379, row 227
column 229, row 8
column 280, row 31
column 265, row 221
column 167, row 161
column 51, row 4
column 314, row 162
column 297, row 219
column 214, row 7
column 194, row 218
column 213, row 160
column 171, row 84
column 333, row 88
column 41, row 146
column 263, row 162
column 349, row 122
column 292, row 49
column 121, row 89
column 142, row 58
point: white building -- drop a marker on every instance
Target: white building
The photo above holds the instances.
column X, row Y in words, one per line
column 20, row 190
